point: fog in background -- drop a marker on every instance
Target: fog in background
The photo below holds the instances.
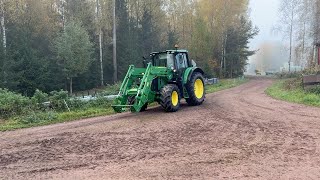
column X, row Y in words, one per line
column 272, row 54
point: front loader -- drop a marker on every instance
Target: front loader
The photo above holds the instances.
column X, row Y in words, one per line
column 169, row 77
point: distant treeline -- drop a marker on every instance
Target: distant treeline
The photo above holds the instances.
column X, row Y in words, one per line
column 56, row 44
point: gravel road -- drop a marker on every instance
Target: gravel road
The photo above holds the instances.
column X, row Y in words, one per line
column 239, row 133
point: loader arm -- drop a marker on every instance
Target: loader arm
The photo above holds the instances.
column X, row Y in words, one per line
column 134, row 98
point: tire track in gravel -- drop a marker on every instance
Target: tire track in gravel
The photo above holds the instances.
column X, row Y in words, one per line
column 239, row 133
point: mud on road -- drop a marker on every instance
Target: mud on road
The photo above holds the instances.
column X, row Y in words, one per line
column 239, row 133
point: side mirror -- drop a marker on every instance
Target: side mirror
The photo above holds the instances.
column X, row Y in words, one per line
column 194, row 64
column 144, row 62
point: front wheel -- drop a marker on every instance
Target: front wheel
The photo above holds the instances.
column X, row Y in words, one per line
column 195, row 89
column 170, row 98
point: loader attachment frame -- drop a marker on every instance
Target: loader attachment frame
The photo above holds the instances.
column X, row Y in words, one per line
column 134, row 96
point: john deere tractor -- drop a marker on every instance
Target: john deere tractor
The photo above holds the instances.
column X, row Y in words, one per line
column 166, row 79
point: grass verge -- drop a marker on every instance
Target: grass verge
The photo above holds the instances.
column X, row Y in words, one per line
column 279, row 90
column 225, row 84
column 17, row 123
column 41, row 119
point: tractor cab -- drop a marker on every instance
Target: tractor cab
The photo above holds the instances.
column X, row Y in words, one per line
column 172, row 59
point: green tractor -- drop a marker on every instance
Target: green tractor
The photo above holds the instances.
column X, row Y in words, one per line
column 169, row 77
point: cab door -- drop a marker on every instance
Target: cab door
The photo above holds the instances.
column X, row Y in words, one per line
column 181, row 63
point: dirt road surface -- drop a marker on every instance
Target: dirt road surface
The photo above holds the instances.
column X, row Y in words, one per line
column 239, row 133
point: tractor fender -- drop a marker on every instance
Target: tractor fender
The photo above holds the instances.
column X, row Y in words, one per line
column 189, row 71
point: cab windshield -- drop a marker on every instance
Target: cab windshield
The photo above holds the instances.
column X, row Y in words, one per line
column 163, row 60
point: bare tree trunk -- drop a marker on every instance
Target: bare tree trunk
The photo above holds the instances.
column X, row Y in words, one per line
column 221, row 65
column 223, row 60
column 313, row 57
column 3, row 27
column 224, row 51
column 231, row 68
column 100, row 42
column 303, row 43
column 224, row 39
column 70, row 88
column 115, row 68
column 291, row 29
column 4, row 40
column 183, row 28
column 63, row 14
column 101, row 57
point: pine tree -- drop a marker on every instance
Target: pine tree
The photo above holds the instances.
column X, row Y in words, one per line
column 74, row 51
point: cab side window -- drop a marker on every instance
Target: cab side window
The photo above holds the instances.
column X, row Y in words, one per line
column 181, row 59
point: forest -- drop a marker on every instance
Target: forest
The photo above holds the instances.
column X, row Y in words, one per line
column 50, row 45
column 299, row 26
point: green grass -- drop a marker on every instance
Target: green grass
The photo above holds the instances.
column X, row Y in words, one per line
column 17, row 123
column 60, row 117
column 295, row 95
column 225, row 84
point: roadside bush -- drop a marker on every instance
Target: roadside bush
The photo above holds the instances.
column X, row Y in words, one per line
column 315, row 90
column 57, row 100
column 292, row 84
column 99, row 102
column 75, row 104
column 111, row 90
column 38, row 100
column 312, row 70
column 13, row 104
column 40, row 97
column 286, row 75
column 37, row 117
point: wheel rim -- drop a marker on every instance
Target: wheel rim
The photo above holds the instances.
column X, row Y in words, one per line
column 174, row 98
column 198, row 88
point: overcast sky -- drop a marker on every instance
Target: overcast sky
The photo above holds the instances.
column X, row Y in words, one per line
column 264, row 15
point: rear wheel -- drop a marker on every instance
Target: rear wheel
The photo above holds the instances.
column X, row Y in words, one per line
column 170, row 98
column 195, row 89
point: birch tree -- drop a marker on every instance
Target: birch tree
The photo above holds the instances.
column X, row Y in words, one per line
column 3, row 27
column 62, row 12
column 289, row 14
column 114, row 58
column 99, row 18
column 304, row 40
column 4, row 42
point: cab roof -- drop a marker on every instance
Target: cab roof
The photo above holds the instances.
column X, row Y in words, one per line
column 170, row 51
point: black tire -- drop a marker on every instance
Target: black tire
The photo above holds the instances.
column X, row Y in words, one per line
column 168, row 98
column 193, row 100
